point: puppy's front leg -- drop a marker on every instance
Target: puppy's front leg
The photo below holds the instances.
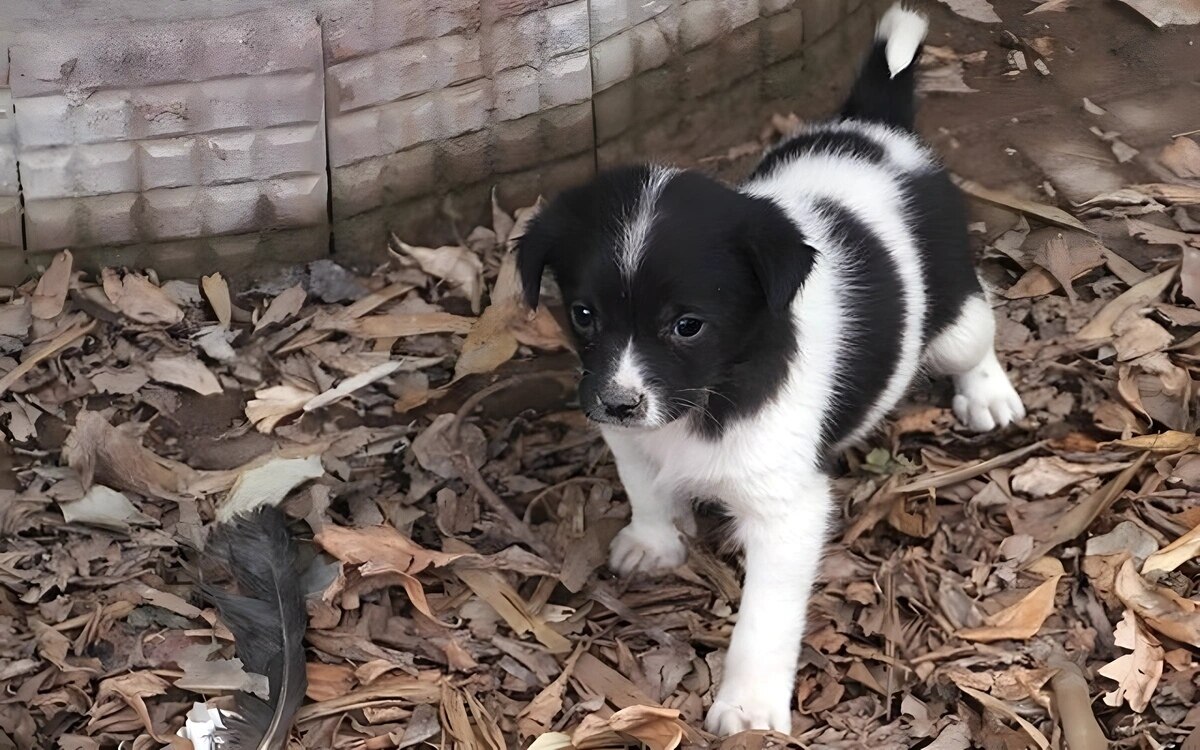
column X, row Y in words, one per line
column 651, row 542
column 783, row 543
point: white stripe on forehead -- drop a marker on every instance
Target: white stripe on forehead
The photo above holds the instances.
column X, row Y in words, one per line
column 639, row 223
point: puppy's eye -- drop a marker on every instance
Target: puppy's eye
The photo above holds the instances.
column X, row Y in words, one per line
column 582, row 316
column 687, row 327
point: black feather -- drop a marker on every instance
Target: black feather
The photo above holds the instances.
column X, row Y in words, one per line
column 267, row 620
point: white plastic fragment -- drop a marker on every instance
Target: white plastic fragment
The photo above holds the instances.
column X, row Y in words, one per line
column 201, row 725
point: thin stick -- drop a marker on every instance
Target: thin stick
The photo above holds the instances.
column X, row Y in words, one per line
column 970, row 471
column 62, row 341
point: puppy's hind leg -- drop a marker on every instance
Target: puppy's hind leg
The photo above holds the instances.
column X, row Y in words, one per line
column 984, row 397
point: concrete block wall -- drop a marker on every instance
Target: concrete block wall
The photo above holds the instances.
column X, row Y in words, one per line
column 167, row 138
column 10, row 195
column 427, row 110
column 245, row 132
column 682, row 79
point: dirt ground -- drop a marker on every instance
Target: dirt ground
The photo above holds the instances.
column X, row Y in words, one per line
column 1031, row 588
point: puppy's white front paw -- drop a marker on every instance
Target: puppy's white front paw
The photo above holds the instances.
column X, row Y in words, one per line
column 986, row 398
column 727, row 717
column 643, row 548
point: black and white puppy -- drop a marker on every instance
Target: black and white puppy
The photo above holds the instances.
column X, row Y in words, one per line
column 732, row 339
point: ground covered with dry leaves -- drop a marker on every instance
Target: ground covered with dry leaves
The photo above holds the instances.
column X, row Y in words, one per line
column 1033, row 588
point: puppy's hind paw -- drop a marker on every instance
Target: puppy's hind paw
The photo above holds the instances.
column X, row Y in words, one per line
column 986, row 398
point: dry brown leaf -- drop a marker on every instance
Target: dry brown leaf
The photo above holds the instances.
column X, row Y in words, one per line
column 1047, row 475
column 140, row 300
column 1157, row 235
column 1048, row 214
column 538, row 715
column 493, row 338
column 204, row 675
column 287, row 304
column 15, row 319
column 1167, row 12
column 1055, row 5
column 115, row 457
column 1159, row 607
column 216, row 290
column 1138, row 336
column 397, row 325
column 975, row 10
column 51, row 292
column 1158, row 388
column 998, row 706
column 272, row 405
column 1035, row 282
column 1140, row 295
column 268, row 484
column 60, row 342
column 1174, row 554
column 329, row 681
column 1178, row 195
column 1081, row 515
column 1136, row 674
column 133, row 688
column 184, row 370
column 1182, row 157
column 452, row 263
column 1189, row 276
column 1066, row 263
column 352, row 384
column 1019, row 621
column 441, row 452
column 383, row 550
column 502, row 597
column 104, row 507
column 656, row 728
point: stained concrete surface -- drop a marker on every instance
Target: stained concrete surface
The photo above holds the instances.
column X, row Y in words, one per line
column 1017, row 131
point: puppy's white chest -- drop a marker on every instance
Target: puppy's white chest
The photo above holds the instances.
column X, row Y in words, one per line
column 736, row 465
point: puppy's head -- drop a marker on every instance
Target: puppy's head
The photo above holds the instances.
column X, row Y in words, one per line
column 673, row 284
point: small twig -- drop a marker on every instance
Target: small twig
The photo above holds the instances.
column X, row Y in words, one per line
column 64, row 339
column 514, row 525
column 970, row 471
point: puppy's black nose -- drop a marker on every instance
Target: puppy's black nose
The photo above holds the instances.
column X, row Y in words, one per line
column 621, row 405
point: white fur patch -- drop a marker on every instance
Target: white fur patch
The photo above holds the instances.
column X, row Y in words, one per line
column 903, row 30
column 630, row 375
column 984, row 397
column 638, row 225
column 874, row 196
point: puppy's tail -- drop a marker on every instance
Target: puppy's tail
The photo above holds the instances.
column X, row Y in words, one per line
column 885, row 89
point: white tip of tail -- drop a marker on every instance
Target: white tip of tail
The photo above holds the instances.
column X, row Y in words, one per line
column 903, row 30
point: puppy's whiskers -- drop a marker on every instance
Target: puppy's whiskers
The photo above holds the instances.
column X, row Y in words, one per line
column 703, row 410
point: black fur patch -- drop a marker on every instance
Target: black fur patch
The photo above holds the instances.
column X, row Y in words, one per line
column 877, row 310
column 841, row 142
column 938, row 216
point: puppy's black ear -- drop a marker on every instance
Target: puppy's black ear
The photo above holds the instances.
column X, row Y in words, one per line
column 777, row 251
column 533, row 252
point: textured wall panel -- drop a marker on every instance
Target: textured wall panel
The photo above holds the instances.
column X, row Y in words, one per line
column 140, row 135
column 427, row 111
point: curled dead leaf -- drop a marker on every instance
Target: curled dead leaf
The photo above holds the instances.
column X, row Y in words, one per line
column 1161, row 608
column 51, row 292
column 1018, row 621
column 139, row 299
column 1136, row 674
